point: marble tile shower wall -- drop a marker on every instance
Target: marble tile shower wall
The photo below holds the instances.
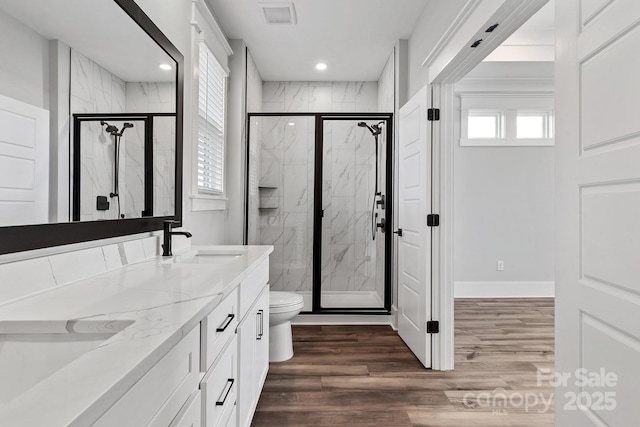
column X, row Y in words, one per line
column 287, row 164
column 143, row 97
column 95, row 89
column 348, row 250
column 320, row 97
column 285, row 180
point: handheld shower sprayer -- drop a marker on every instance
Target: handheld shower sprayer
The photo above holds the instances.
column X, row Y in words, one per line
column 375, row 130
column 117, row 134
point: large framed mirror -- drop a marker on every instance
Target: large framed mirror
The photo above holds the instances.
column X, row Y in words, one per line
column 91, row 123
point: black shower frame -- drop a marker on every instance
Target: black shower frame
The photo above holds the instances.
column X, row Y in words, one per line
column 320, row 118
column 148, row 119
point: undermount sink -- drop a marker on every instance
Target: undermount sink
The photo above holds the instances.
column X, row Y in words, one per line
column 31, row 351
column 207, row 257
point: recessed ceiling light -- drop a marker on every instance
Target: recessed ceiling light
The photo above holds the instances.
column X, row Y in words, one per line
column 165, row 67
column 291, row 124
column 321, row 66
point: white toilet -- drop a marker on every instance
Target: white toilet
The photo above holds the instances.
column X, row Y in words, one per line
column 283, row 306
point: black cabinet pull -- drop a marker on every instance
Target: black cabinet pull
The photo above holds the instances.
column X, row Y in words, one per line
column 226, row 323
column 230, row 382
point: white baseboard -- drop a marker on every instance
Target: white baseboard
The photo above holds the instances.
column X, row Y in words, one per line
column 394, row 317
column 504, row 289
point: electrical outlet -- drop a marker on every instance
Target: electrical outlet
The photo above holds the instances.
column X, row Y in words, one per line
column 500, row 265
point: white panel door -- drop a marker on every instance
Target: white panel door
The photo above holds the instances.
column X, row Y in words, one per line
column 24, row 163
column 598, row 212
column 414, row 246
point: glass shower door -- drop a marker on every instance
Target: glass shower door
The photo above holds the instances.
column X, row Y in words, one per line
column 352, row 262
column 280, row 198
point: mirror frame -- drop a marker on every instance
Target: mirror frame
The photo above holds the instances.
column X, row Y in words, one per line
column 30, row 237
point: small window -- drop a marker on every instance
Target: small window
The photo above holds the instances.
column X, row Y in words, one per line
column 534, row 125
column 484, row 124
column 211, row 116
column 506, row 120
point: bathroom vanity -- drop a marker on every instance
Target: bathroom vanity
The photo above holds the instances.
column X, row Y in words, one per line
column 170, row 341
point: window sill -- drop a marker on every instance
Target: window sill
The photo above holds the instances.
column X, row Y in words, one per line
column 502, row 142
column 205, row 202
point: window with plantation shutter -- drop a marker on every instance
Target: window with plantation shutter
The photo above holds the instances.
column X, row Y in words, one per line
column 211, row 106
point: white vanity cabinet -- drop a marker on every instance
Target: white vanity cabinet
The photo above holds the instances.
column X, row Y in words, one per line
column 219, row 388
column 158, row 397
column 219, row 354
column 236, row 365
column 214, row 376
column 253, row 351
column 191, row 413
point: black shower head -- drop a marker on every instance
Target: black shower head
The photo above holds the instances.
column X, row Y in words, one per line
column 114, row 130
column 375, row 129
column 110, row 128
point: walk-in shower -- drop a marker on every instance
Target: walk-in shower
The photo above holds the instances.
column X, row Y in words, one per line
column 316, row 191
column 122, row 166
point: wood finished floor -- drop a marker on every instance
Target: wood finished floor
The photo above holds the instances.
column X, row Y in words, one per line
column 365, row 376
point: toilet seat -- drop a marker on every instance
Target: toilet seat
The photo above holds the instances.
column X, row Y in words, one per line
column 284, row 301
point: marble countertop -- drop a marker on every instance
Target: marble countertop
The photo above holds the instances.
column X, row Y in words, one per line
column 160, row 301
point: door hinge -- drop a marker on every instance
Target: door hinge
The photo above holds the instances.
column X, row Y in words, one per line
column 433, row 114
column 433, row 220
column 433, row 327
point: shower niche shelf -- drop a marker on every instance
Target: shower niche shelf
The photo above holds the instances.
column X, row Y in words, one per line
column 267, row 188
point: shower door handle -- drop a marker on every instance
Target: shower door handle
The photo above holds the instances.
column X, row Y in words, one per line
column 399, row 232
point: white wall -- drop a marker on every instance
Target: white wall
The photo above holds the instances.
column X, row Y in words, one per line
column 236, row 111
column 174, row 19
column 245, row 95
column 503, row 204
column 386, row 86
column 24, row 74
column 434, row 21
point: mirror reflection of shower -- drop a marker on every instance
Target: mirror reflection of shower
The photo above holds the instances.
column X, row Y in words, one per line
column 378, row 197
column 116, row 134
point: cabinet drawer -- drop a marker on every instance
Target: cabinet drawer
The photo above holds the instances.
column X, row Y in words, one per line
column 252, row 285
column 219, row 388
column 191, row 413
column 217, row 328
column 168, row 385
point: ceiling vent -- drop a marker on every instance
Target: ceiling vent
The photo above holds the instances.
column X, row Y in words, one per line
column 279, row 13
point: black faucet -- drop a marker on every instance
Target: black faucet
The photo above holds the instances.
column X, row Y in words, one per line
column 168, row 232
